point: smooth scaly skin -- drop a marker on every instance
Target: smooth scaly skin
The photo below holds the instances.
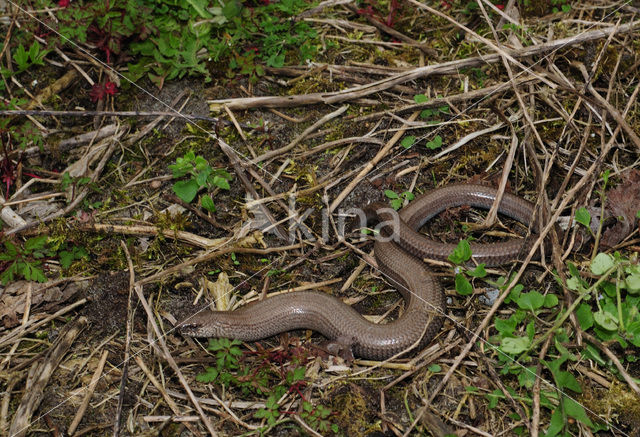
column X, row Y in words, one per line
column 401, row 261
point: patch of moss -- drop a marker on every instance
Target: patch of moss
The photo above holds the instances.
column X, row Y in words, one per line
column 618, row 402
column 351, row 416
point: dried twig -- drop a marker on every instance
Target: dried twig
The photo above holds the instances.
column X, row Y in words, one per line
column 125, row 114
column 421, row 72
column 39, row 376
column 88, row 393
column 273, row 153
column 370, row 165
column 238, row 166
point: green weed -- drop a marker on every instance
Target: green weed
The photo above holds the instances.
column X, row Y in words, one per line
column 613, row 287
column 398, row 199
column 172, row 39
column 268, row 376
column 26, row 58
column 199, row 175
column 25, row 261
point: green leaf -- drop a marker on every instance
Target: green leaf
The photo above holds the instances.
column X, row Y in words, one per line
column 527, row 377
column 633, row 329
column 505, row 327
column 34, row 50
column 576, row 411
column 396, row 204
column 186, row 190
column 585, row 316
column 633, row 283
column 210, row 375
column 434, row 368
column 530, row 301
column 463, row 286
column 573, row 269
column 567, row 380
column 33, row 273
column 80, row 252
column 21, row 58
column 199, row 7
column 408, row 195
column 391, row 194
column 591, row 353
column 408, row 141
column 9, row 273
column 514, row 345
column 207, row 203
column 231, row 9
column 276, row 60
column 601, row 263
column 516, row 292
column 461, row 254
column 435, row 143
column 609, row 288
column 66, row 259
column 556, row 424
column 420, row 98
column 550, row 301
column 494, row 397
column 201, row 178
column 426, row 113
column 583, row 217
column 35, row 243
column 12, row 250
column 531, row 330
column 606, row 320
column 478, row 272
column 221, row 182
column 296, row 375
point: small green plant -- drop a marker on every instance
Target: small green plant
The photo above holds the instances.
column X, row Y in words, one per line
column 269, row 376
column 75, row 183
column 172, row 39
column 460, row 256
column 200, row 175
column 408, row 141
column 398, row 199
column 430, row 113
column 67, row 181
column 271, row 410
column 227, row 353
column 613, row 316
column 26, row 58
column 583, row 217
column 70, row 254
column 435, row 143
column 234, row 259
column 618, row 289
column 26, row 261
column 470, row 8
column 560, row 5
column 316, row 417
column 27, row 134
